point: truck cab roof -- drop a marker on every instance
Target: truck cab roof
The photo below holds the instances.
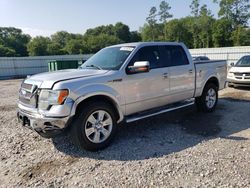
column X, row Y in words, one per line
column 141, row 44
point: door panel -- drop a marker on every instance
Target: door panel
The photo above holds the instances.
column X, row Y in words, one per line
column 181, row 73
column 146, row 90
column 182, row 82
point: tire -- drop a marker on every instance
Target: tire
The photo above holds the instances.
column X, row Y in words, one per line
column 208, row 100
column 88, row 130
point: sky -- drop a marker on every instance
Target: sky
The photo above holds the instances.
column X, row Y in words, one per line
column 45, row 17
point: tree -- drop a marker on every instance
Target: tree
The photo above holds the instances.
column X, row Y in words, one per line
column 95, row 43
column 38, row 46
column 135, row 36
column 241, row 36
column 205, row 22
column 152, row 21
column 236, row 10
column 61, row 38
column 122, row 32
column 146, row 32
column 201, row 26
column 178, row 30
column 174, row 30
column 103, row 29
column 75, row 46
column 222, row 31
column 14, row 40
column 6, row 52
column 195, row 7
column 119, row 30
column 55, row 49
column 164, row 14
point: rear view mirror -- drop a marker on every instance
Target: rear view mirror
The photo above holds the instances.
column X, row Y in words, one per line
column 139, row 67
column 232, row 64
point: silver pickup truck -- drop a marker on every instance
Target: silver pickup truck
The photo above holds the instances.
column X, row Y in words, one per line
column 121, row 83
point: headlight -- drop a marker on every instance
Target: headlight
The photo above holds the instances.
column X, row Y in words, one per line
column 48, row 98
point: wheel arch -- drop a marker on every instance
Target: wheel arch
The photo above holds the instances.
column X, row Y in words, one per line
column 214, row 80
column 81, row 101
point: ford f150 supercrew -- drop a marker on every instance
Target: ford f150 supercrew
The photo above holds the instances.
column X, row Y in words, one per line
column 121, row 83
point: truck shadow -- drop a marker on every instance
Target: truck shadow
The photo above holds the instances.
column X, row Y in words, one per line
column 168, row 133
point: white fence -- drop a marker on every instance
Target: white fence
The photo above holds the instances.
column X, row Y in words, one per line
column 231, row 54
column 14, row 67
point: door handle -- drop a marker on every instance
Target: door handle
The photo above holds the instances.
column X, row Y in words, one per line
column 165, row 75
column 190, row 71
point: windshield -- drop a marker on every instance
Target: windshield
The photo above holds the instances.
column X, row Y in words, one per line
column 108, row 58
column 243, row 62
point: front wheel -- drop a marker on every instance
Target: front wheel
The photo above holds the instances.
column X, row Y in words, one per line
column 94, row 127
column 208, row 100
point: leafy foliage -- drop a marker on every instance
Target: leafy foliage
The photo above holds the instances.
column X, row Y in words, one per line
column 179, row 31
column 199, row 30
column 238, row 11
column 7, row 52
column 92, row 41
column 195, row 6
column 221, row 34
column 152, row 21
column 38, row 46
column 241, row 36
column 164, row 12
column 13, row 42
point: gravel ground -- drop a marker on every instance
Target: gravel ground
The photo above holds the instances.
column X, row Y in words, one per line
column 178, row 149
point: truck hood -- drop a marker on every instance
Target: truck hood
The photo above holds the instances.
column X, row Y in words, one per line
column 240, row 69
column 48, row 79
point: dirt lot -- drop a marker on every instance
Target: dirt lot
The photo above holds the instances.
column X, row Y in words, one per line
column 178, row 149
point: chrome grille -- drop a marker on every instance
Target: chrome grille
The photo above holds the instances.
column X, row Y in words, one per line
column 242, row 76
column 238, row 74
column 28, row 95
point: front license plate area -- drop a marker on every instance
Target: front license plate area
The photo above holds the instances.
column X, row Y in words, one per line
column 23, row 120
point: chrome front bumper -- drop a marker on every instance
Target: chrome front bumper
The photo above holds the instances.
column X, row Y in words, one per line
column 35, row 120
column 237, row 82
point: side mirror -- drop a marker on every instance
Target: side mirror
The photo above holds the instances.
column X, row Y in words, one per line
column 139, row 67
column 232, row 64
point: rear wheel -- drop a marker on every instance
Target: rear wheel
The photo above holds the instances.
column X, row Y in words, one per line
column 94, row 127
column 208, row 100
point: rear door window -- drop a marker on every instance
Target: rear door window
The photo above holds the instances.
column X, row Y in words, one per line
column 174, row 56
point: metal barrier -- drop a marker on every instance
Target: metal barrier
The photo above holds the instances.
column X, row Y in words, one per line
column 231, row 54
column 18, row 67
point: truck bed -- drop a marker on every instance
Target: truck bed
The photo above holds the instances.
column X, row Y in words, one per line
column 206, row 70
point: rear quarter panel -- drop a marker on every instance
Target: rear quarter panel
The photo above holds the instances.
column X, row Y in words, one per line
column 209, row 69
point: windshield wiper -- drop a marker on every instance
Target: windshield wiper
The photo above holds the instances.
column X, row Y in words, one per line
column 94, row 66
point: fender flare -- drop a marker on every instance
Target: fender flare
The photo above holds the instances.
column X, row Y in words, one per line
column 86, row 96
column 211, row 77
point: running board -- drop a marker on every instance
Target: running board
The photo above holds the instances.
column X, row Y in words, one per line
column 160, row 110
